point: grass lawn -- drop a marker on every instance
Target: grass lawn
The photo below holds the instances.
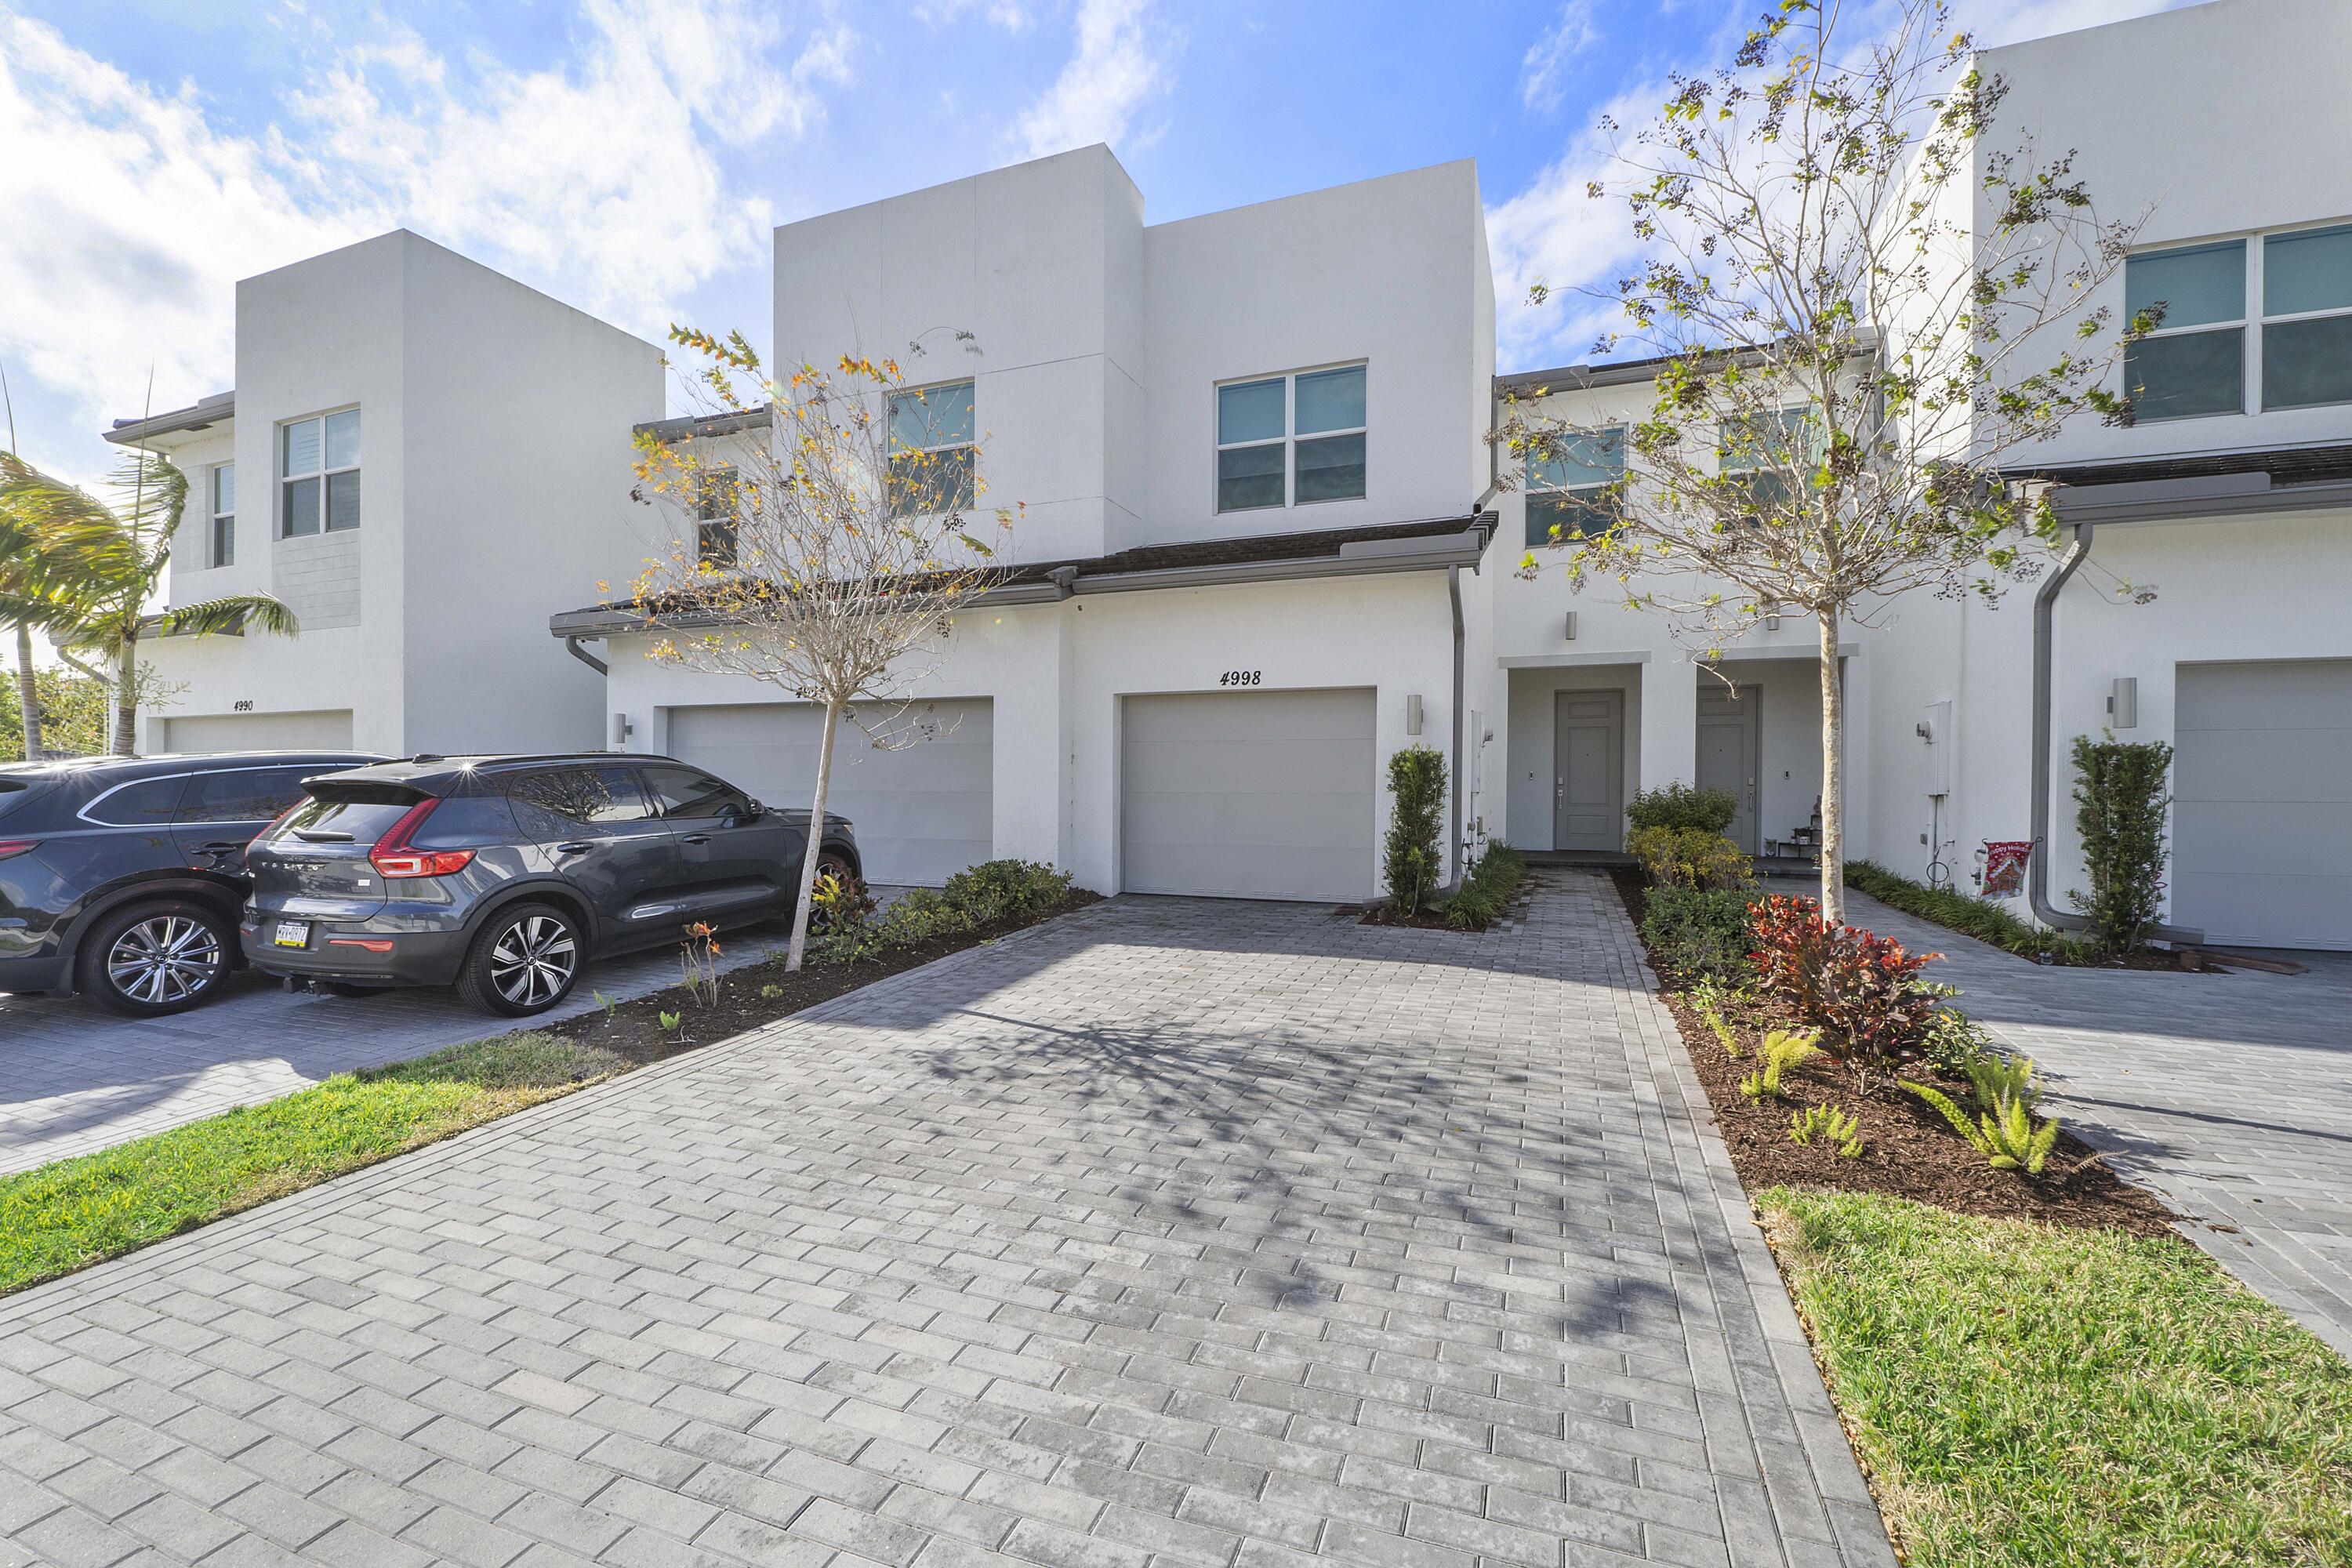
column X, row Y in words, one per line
column 63, row 1217
column 2025, row 1394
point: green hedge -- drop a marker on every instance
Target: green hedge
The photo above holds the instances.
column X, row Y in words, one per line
column 1965, row 913
column 1487, row 886
column 990, row 893
column 1698, row 933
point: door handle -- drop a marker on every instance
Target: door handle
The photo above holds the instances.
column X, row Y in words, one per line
column 576, row 846
column 695, row 838
column 221, row 846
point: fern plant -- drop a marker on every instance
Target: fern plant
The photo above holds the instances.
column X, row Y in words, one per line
column 1782, row 1050
column 2007, row 1135
column 1839, row 1130
column 1707, row 1000
column 1994, row 1078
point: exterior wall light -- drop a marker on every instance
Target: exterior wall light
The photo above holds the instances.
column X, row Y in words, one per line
column 1570, row 627
column 2122, row 703
column 1413, row 715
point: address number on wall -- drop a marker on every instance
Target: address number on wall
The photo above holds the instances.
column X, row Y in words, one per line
column 1240, row 677
column 243, row 705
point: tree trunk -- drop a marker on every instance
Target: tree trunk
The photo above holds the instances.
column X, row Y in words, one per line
column 29, row 696
column 815, row 841
column 1832, row 774
column 126, row 700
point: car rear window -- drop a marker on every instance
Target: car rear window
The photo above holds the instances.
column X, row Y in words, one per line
column 338, row 814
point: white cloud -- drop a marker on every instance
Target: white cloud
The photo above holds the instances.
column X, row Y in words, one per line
column 1543, row 75
column 1115, row 71
column 132, row 211
column 1010, row 16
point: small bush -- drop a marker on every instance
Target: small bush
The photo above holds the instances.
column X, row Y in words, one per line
column 1954, row 1043
column 1410, row 860
column 2006, row 1135
column 1698, row 934
column 997, row 890
column 1863, row 992
column 1682, row 806
column 1488, row 888
column 1783, row 1050
column 994, row 892
column 1690, row 858
column 1966, row 913
column 2120, row 801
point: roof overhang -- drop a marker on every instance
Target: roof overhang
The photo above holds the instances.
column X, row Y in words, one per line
column 220, row 407
column 2202, row 485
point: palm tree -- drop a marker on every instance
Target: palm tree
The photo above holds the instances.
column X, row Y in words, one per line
column 42, row 553
column 103, row 610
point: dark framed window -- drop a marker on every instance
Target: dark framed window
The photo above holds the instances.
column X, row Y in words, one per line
column 590, row 795
column 1291, row 440
column 245, row 794
column 318, row 474
column 934, row 449
column 1566, row 492
column 221, row 547
column 681, row 790
column 716, row 531
column 2308, row 318
column 2194, row 363
column 148, row 803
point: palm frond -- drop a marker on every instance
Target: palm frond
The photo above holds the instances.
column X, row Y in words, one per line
column 230, row 614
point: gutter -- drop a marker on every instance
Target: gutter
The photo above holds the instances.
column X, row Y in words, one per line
column 2037, row 884
column 202, row 415
column 1454, row 807
column 2187, row 499
column 572, row 645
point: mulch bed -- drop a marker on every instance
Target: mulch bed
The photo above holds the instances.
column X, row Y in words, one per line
column 634, row 1030
column 1908, row 1150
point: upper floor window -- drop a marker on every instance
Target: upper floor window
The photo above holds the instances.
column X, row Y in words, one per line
column 1566, row 491
column 2308, row 318
column 318, row 474
column 1287, row 440
column 1759, row 451
column 714, row 517
column 220, row 539
column 2194, row 363
column 934, row 436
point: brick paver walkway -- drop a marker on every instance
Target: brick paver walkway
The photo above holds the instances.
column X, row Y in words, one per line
column 1170, row 1233
column 2230, row 1094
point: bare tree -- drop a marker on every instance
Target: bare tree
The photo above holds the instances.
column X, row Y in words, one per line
column 824, row 551
column 1848, row 291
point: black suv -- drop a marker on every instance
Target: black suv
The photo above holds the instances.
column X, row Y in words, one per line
column 121, row 876
column 503, row 874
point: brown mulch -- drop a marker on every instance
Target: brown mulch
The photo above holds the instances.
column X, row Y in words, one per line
column 1908, row 1149
column 632, row 1029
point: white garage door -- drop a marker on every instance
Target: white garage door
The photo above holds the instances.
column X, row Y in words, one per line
column 320, row 730
column 922, row 812
column 1260, row 794
column 2262, row 802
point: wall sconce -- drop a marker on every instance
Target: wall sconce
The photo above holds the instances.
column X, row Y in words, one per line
column 1413, row 715
column 2122, row 703
column 622, row 731
column 1771, row 622
column 1570, row 627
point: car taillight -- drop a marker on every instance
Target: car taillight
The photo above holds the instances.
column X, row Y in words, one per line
column 12, row 848
column 394, row 858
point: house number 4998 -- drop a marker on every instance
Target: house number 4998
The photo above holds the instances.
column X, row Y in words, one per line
column 1240, row 677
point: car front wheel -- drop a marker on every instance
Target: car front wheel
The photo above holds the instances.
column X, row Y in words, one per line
column 152, row 960
column 525, row 961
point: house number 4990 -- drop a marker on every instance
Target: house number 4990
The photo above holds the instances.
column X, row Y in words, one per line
column 1240, row 677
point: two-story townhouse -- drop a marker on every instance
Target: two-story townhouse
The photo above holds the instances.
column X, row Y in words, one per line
column 424, row 459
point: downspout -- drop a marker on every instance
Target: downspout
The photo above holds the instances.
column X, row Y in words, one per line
column 572, row 645
column 2037, row 882
column 1453, row 816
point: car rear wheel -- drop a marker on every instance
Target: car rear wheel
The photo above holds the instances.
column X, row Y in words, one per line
column 152, row 960
column 525, row 960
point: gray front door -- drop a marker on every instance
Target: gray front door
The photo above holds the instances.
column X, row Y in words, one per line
column 1588, row 771
column 1727, row 754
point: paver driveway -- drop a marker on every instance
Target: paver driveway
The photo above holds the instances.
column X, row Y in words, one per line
column 2228, row 1094
column 1172, row 1232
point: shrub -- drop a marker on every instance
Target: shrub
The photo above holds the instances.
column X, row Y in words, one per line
column 1783, row 1050
column 2006, row 1135
column 1839, row 1130
column 1699, row 934
column 1492, row 878
column 997, row 890
column 2120, row 800
column 1690, row 858
column 1409, row 861
column 1966, row 913
column 1863, row 992
column 1954, row 1043
column 1683, row 806
column 993, row 893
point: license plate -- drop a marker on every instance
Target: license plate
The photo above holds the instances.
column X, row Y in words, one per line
column 292, row 933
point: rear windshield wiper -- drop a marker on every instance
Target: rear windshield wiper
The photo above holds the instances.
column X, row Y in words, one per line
column 323, row 835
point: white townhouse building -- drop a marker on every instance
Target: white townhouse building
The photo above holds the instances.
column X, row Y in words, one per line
column 1263, row 546
column 425, row 459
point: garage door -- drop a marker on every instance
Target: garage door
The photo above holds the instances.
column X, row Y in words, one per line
column 323, row 729
column 1260, row 795
column 922, row 812
column 2262, row 802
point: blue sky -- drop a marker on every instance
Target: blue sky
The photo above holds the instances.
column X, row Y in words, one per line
column 630, row 156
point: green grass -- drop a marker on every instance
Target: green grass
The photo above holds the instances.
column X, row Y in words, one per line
column 1963, row 912
column 62, row 1217
column 2024, row 1395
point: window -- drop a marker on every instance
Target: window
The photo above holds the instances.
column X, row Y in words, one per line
column 1565, row 492
column 245, row 795
column 714, row 517
column 689, row 792
column 1291, row 439
column 318, row 474
column 2194, row 362
column 221, row 546
column 149, row 803
column 2308, row 318
column 933, row 431
column 574, row 796
column 1757, row 451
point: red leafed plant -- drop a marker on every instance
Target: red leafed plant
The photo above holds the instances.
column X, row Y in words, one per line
column 1864, row 993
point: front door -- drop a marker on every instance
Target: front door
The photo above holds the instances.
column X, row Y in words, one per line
column 1588, row 771
column 1727, row 754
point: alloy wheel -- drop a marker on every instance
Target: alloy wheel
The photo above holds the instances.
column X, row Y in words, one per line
column 164, row 960
column 533, row 961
